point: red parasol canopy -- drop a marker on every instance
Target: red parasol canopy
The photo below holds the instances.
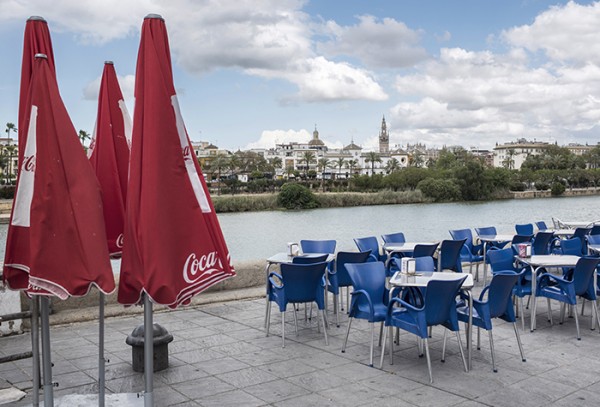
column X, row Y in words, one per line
column 173, row 247
column 109, row 155
column 36, row 40
column 57, row 202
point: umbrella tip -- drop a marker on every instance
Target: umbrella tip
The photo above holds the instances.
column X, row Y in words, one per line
column 109, row 63
column 36, row 18
column 41, row 56
column 158, row 16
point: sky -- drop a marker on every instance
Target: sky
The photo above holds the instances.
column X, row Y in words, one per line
column 252, row 73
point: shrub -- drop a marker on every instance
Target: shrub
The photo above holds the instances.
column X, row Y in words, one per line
column 518, row 186
column 557, row 188
column 440, row 189
column 542, row 186
column 7, row 192
column 296, row 196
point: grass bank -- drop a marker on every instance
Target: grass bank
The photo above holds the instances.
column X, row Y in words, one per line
column 268, row 202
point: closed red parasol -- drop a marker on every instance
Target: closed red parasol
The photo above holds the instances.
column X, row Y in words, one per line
column 57, row 202
column 36, row 40
column 173, row 246
column 109, row 155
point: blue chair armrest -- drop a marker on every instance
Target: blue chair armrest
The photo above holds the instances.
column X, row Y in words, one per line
column 355, row 295
column 404, row 304
column 273, row 282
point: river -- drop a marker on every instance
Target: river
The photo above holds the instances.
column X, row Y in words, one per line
column 258, row 235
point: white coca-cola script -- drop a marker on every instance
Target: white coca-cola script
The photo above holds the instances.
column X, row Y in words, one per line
column 195, row 268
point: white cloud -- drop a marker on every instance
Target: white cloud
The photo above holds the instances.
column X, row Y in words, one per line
column 563, row 33
column 384, row 43
column 269, row 138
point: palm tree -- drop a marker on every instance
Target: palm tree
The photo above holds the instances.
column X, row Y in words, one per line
column 322, row 164
column 275, row 164
column 11, row 150
column 339, row 164
column 351, row 165
column 308, row 157
column 10, row 127
column 218, row 165
column 372, row 157
column 392, row 165
column 83, row 136
column 417, row 159
column 509, row 161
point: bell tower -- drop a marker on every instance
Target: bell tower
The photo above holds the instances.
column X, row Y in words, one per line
column 384, row 138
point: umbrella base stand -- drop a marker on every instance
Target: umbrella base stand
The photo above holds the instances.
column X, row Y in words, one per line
column 161, row 337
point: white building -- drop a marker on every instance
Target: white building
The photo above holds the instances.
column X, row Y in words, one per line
column 513, row 155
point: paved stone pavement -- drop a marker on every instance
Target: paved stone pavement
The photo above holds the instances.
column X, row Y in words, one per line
column 221, row 357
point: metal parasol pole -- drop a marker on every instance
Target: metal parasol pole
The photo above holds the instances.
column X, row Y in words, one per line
column 35, row 349
column 101, row 360
column 46, row 357
column 148, row 353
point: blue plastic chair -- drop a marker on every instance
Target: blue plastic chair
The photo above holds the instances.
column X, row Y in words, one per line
column 394, row 238
column 339, row 276
column 517, row 239
column 524, row 229
column 504, row 259
column 497, row 305
column 368, row 298
column 469, row 253
column 541, row 225
column 582, row 233
column 449, row 255
column 542, row 243
column 490, row 231
column 318, row 246
column 439, row 308
column 595, row 230
column 579, row 283
column 424, row 250
column 297, row 283
column 370, row 243
column 309, row 258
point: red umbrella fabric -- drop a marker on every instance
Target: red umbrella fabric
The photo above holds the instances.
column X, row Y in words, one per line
column 36, row 40
column 173, row 247
column 57, row 202
column 109, row 155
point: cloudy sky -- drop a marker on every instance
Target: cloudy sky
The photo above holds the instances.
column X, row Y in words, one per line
column 250, row 73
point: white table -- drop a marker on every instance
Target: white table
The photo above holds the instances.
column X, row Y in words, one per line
column 284, row 258
column 420, row 279
column 579, row 224
column 486, row 240
column 539, row 261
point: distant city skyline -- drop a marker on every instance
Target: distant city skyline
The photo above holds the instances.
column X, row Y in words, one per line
column 250, row 74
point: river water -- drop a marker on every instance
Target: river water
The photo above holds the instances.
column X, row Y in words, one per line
column 258, row 235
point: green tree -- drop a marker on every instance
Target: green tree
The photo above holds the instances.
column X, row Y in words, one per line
column 308, row 157
column 373, row 157
column 339, row 163
column 217, row 165
column 10, row 127
column 509, row 161
column 296, row 196
column 322, row 165
column 392, row 166
column 83, row 136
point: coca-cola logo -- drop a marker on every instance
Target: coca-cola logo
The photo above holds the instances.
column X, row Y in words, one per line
column 29, row 163
column 119, row 241
column 196, row 267
column 186, row 153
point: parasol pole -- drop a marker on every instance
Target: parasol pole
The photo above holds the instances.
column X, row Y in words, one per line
column 148, row 352
column 101, row 360
column 35, row 349
column 46, row 357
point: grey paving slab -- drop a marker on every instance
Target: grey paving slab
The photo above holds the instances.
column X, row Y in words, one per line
column 221, row 356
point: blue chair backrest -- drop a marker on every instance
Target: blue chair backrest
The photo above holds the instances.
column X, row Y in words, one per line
column 368, row 243
column 302, row 282
column 317, row 246
column 584, row 274
column 394, row 238
column 595, row 230
column 342, row 260
column 500, row 292
column 581, row 232
column 502, row 259
column 541, row 243
column 521, row 239
column 309, row 259
column 450, row 254
column 423, row 250
column 541, row 225
column 369, row 277
column 486, row 231
column 440, row 300
column 593, row 239
column 571, row 246
column 459, row 234
column 524, row 229
column 424, row 263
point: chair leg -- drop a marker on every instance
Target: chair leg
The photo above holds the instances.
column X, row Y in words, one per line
column 577, row 324
column 492, row 350
column 562, row 313
column 324, row 328
column 519, row 342
column 385, row 331
column 380, row 333
column 582, row 307
column 428, row 360
column 444, row 347
column 549, row 310
column 478, row 338
column 268, row 319
column 295, row 321
column 347, row 334
column 335, row 309
column 372, row 343
column 595, row 308
column 528, row 301
column 348, row 299
column 462, row 353
column 522, row 313
column 391, row 346
column 283, row 329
